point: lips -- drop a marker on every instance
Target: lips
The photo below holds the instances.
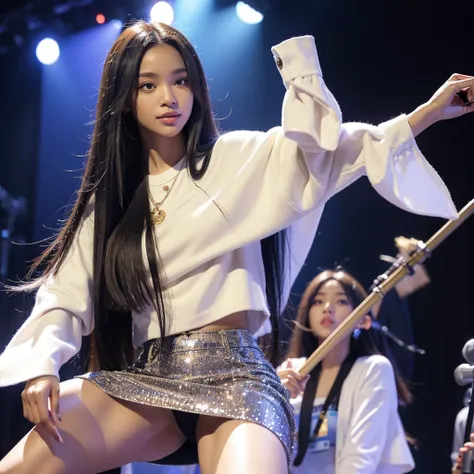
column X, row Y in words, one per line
column 326, row 322
column 169, row 115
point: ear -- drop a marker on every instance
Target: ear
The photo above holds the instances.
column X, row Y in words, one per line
column 365, row 322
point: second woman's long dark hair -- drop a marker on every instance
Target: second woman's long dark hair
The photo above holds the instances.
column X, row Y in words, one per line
column 303, row 343
column 115, row 181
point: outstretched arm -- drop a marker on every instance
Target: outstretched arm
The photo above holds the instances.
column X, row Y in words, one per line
column 265, row 181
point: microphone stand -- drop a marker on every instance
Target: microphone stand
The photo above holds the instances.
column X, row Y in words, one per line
column 382, row 285
column 468, row 458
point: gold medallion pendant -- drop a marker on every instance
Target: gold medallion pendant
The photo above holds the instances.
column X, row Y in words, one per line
column 157, row 216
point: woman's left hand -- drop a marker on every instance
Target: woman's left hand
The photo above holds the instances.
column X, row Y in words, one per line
column 445, row 103
column 406, row 245
column 469, row 446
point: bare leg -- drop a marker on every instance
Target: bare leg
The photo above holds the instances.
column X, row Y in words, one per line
column 99, row 433
column 233, row 447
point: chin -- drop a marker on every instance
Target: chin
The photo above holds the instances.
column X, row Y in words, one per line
column 168, row 132
column 323, row 333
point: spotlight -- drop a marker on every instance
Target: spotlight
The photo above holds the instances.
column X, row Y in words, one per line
column 248, row 14
column 163, row 12
column 47, row 51
column 100, row 19
column 117, row 24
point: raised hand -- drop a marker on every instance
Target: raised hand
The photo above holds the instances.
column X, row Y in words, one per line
column 446, row 103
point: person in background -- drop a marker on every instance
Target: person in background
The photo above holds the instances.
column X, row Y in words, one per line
column 347, row 411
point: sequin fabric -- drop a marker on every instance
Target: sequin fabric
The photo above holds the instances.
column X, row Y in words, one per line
column 221, row 373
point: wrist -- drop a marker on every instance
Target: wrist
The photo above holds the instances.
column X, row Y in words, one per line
column 421, row 118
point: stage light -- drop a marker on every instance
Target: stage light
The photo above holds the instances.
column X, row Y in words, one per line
column 248, row 14
column 117, row 24
column 47, row 51
column 163, row 12
column 100, row 19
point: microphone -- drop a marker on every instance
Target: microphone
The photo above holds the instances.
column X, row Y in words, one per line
column 464, row 374
column 468, row 351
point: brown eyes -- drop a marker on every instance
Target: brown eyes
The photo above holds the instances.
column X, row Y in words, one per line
column 146, row 86
column 149, row 86
column 182, row 82
column 341, row 302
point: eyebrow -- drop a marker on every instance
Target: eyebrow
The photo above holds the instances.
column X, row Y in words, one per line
column 321, row 293
column 153, row 74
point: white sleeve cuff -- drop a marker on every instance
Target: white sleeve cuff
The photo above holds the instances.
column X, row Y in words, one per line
column 297, row 57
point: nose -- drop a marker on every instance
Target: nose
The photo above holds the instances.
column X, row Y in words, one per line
column 328, row 308
column 167, row 97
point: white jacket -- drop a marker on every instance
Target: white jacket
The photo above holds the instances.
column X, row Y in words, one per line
column 370, row 437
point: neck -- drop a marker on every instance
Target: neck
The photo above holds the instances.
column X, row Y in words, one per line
column 336, row 356
column 163, row 153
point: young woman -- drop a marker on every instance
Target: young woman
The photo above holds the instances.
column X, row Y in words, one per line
column 347, row 416
column 177, row 244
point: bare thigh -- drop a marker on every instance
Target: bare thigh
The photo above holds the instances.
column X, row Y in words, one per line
column 99, row 433
column 234, row 446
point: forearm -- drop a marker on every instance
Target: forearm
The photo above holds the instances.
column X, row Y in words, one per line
column 421, row 118
column 412, row 283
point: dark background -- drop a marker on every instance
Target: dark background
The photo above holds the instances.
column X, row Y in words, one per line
column 379, row 60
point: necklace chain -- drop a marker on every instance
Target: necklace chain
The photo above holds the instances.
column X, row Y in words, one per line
column 157, row 214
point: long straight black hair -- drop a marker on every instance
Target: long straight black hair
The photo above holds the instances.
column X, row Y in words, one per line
column 115, row 180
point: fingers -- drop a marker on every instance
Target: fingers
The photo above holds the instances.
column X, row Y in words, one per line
column 35, row 399
column 464, row 96
column 457, row 77
column 293, row 381
column 459, row 102
column 457, row 466
column 288, row 364
column 30, row 408
column 54, row 403
column 463, row 87
column 469, row 446
column 292, row 386
column 403, row 243
column 460, row 90
column 45, row 418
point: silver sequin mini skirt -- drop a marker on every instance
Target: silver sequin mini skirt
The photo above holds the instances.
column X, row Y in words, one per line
column 220, row 373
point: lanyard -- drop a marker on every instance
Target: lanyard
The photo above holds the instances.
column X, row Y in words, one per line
column 304, row 436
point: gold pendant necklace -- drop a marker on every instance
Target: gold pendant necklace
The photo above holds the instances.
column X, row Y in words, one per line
column 157, row 214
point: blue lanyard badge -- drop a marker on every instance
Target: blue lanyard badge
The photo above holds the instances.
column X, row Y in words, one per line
column 327, row 433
